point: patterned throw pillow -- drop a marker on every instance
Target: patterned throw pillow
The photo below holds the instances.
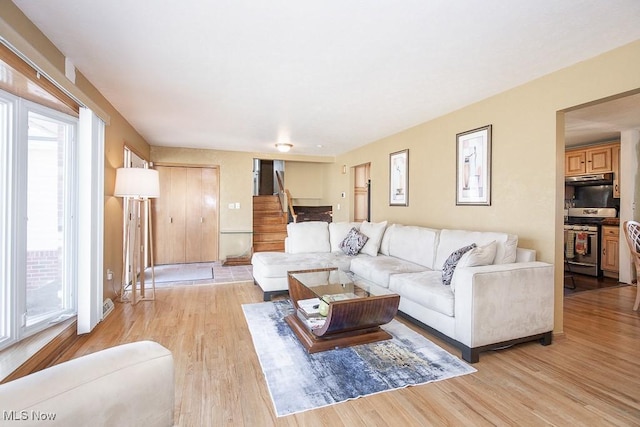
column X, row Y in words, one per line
column 450, row 264
column 354, row 241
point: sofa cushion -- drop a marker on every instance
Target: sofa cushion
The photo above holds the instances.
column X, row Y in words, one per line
column 450, row 240
column 374, row 231
column 449, row 266
column 338, row 231
column 378, row 269
column 413, row 243
column 386, row 238
column 354, row 241
column 480, row 255
column 424, row 288
column 308, row 237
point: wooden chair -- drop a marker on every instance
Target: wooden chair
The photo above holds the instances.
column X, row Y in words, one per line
column 632, row 233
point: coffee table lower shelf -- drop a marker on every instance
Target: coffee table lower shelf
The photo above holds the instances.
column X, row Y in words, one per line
column 314, row 344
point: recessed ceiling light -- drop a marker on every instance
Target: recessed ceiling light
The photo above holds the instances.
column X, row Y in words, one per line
column 319, row 145
column 283, row 148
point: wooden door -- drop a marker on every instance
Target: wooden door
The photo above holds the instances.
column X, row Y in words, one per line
column 186, row 215
column 193, row 201
column 161, row 214
column 361, row 192
column 209, row 231
column 177, row 216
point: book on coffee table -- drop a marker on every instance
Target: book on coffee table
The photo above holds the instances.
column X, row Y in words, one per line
column 313, row 322
column 309, row 307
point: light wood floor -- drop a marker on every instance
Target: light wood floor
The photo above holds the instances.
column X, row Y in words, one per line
column 589, row 376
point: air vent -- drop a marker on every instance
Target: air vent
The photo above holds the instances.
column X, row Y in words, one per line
column 107, row 307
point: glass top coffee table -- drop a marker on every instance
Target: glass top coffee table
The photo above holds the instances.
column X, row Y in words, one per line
column 332, row 310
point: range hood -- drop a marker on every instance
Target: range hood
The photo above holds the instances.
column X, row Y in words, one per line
column 590, row 179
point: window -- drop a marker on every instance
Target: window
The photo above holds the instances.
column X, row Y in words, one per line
column 38, row 212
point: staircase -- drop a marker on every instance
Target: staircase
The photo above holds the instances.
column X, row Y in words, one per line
column 269, row 224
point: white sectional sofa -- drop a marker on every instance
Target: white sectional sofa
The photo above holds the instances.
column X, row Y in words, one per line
column 498, row 296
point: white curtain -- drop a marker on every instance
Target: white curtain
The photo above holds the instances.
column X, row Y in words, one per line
column 90, row 219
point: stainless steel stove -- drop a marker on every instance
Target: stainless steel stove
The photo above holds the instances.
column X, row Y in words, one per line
column 582, row 236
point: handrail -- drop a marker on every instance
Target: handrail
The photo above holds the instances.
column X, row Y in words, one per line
column 293, row 212
column 283, row 192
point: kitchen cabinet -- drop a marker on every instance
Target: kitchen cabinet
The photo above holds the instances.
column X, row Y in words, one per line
column 185, row 219
column 595, row 159
column 609, row 261
column 616, row 171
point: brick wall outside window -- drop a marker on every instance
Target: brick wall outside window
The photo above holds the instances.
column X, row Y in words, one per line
column 43, row 267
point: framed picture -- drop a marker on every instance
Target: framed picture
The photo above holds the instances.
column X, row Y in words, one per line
column 399, row 178
column 473, row 167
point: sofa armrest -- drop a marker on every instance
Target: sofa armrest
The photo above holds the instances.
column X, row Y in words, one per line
column 127, row 385
column 497, row 303
column 525, row 255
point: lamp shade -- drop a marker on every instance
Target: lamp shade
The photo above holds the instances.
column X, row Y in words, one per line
column 137, row 182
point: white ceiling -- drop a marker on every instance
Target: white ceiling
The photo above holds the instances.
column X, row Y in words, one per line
column 327, row 76
column 603, row 121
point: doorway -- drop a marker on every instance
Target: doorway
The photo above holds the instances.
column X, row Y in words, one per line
column 362, row 193
column 616, row 120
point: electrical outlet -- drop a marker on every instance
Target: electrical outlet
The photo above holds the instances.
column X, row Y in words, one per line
column 237, row 205
column 232, row 205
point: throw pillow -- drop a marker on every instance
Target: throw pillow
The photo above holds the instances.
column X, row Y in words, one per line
column 450, row 264
column 374, row 231
column 354, row 241
column 480, row 255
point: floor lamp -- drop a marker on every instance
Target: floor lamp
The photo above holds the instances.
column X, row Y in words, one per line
column 137, row 186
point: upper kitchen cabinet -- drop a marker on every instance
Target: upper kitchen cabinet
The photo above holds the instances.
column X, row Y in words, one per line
column 593, row 159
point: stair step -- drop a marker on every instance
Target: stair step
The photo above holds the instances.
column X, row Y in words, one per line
column 259, row 213
column 269, row 237
column 270, row 228
column 268, row 247
column 281, row 219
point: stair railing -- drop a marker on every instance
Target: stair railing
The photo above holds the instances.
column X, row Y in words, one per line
column 285, row 197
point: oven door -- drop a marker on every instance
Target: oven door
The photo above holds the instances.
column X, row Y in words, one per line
column 581, row 251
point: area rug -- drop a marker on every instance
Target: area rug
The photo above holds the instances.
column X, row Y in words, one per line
column 180, row 273
column 299, row 381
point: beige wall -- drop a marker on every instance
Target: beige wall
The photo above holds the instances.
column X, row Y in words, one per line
column 20, row 31
column 306, row 182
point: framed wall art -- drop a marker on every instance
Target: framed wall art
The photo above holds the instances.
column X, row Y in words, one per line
column 473, row 167
column 399, row 178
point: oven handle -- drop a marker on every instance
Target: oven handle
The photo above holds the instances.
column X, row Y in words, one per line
column 592, row 233
column 582, row 264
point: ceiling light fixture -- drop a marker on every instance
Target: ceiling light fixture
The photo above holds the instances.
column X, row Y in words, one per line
column 283, row 148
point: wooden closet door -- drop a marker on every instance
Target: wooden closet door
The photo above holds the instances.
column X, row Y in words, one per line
column 193, row 223
column 186, row 215
column 160, row 218
column 169, row 216
column 209, row 230
column 178, row 215
column 202, row 215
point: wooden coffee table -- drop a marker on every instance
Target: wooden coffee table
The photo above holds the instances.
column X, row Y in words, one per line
column 354, row 315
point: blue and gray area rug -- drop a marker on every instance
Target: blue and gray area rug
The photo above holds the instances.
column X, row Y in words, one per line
column 299, row 381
